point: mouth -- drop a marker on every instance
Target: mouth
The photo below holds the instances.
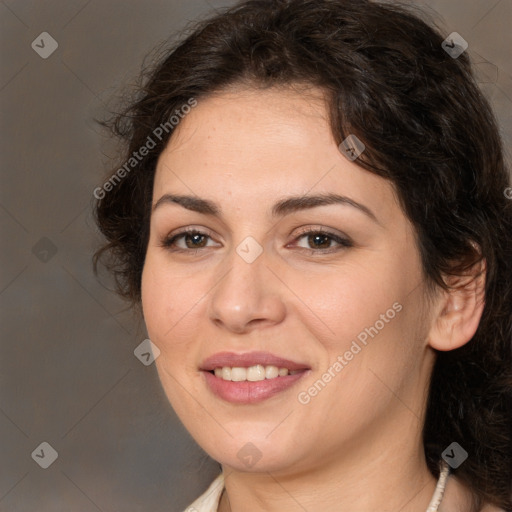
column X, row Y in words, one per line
column 252, row 377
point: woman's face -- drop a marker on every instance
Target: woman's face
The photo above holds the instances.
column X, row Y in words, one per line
column 348, row 307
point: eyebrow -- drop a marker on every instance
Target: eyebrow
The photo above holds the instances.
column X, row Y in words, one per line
column 283, row 207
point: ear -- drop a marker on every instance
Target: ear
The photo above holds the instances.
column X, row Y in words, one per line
column 459, row 309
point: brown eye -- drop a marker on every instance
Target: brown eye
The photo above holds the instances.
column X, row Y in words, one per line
column 195, row 239
column 319, row 241
column 192, row 238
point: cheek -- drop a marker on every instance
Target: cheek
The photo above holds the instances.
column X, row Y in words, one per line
column 377, row 341
column 154, row 304
column 166, row 299
column 367, row 315
column 168, row 302
column 350, row 299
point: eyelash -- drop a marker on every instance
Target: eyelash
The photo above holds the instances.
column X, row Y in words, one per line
column 344, row 243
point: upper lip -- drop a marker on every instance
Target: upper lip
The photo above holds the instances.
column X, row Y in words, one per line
column 247, row 359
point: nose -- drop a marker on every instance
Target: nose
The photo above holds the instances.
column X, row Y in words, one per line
column 248, row 296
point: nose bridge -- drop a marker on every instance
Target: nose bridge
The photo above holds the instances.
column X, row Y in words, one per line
column 245, row 293
column 240, row 287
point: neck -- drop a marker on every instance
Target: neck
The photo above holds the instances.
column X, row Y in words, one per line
column 383, row 476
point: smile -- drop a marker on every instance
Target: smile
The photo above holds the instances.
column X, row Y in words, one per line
column 250, row 377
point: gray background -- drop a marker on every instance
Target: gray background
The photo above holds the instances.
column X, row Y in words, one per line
column 68, row 375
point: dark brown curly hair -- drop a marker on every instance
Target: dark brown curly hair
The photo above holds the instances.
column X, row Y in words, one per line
column 427, row 128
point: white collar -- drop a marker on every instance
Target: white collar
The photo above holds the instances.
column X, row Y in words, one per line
column 209, row 500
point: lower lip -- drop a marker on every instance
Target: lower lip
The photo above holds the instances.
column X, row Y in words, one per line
column 247, row 392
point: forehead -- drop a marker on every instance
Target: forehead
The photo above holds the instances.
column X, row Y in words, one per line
column 257, row 143
column 247, row 123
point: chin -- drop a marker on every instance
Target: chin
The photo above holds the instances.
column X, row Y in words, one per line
column 252, row 454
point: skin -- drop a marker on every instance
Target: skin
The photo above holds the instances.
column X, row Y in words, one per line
column 245, row 149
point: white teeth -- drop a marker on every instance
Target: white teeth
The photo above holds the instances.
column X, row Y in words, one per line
column 271, row 372
column 255, row 373
column 252, row 373
column 238, row 374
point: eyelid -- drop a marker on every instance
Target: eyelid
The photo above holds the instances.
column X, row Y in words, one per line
column 320, row 229
column 190, row 229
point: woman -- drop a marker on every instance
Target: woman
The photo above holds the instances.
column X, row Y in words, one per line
column 313, row 216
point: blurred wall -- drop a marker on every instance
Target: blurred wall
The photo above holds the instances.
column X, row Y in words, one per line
column 68, row 374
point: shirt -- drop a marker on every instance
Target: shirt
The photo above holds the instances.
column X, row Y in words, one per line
column 209, row 500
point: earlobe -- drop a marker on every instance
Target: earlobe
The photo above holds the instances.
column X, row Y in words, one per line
column 459, row 309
